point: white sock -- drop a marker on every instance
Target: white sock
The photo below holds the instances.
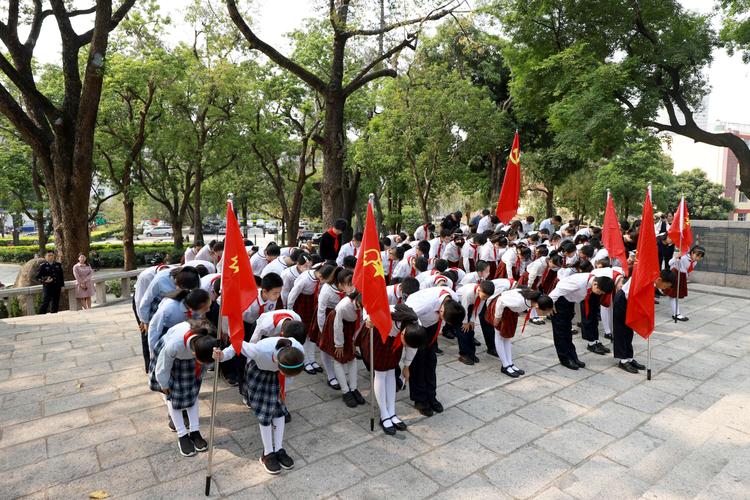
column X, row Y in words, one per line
column 266, row 435
column 338, row 368
column 500, row 348
column 352, row 367
column 623, row 361
column 278, row 433
column 508, row 350
column 327, row 365
column 390, row 394
column 534, row 314
column 309, row 351
column 381, row 392
column 194, row 417
column 179, row 422
column 606, row 313
column 675, row 307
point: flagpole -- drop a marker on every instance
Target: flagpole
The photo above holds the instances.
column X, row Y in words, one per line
column 213, row 397
column 648, row 340
column 677, row 294
column 372, row 367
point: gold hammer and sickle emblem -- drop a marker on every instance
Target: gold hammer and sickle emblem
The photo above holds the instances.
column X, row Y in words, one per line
column 375, row 261
column 515, row 155
column 234, row 266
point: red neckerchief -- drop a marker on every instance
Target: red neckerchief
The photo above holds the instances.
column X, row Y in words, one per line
column 426, row 233
column 477, row 300
column 198, row 366
column 691, row 266
column 335, row 238
column 588, row 294
column 512, row 282
column 413, row 271
column 398, row 297
column 440, row 320
column 390, row 268
column 160, row 267
column 315, row 293
column 279, row 317
column 282, row 382
column 475, row 248
column 356, row 249
column 440, row 248
column 261, row 307
column 526, row 320
column 339, row 293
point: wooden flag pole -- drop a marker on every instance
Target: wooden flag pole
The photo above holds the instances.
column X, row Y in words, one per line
column 213, row 400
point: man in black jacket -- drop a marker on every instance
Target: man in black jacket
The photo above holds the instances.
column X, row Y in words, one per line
column 50, row 275
column 330, row 242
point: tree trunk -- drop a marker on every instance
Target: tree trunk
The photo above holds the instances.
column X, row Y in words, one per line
column 399, row 206
column 41, row 230
column 128, row 246
column 243, row 206
column 378, row 214
column 333, row 159
column 495, row 170
column 197, row 219
column 177, row 220
column 550, row 202
column 423, row 208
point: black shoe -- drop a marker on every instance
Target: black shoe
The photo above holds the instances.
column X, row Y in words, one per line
column 310, row 369
column 656, row 301
column 598, row 349
column 357, row 355
column 475, row 359
column 198, row 441
column 391, row 431
column 287, row 417
column 573, row 331
column 271, row 463
column 608, row 336
column 439, row 351
column 476, row 342
column 284, row 460
column 537, row 321
column 606, row 349
column 186, row 446
column 349, row 399
column 317, row 367
column 513, row 374
column 400, row 426
column 569, row 364
column 518, row 370
column 448, row 335
column 436, row 406
column 492, row 353
column 171, row 425
column 680, row 317
column 424, row 408
column 231, row 381
column 580, row 363
column 635, row 364
column 628, row 367
column 466, row 360
column 358, row 397
column 334, row 385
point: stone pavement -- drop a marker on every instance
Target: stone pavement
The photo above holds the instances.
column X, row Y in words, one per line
column 76, row 416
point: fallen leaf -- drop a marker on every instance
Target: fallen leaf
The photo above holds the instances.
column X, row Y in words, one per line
column 99, row 494
column 78, row 386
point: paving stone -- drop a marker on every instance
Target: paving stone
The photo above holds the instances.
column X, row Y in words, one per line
column 170, row 464
column 525, row 472
column 34, row 477
column 474, row 487
column 550, row 412
column 586, row 393
column 614, row 419
column 119, row 451
column 507, row 434
column 42, row 427
column 591, row 480
column 453, row 461
column 320, row 479
column 84, row 399
column 18, row 414
column 444, row 427
column 190, row 487
column 384, row 452
column 630, row 450
column 330, row 439
column 645, row 398
column 491, row 405
column 532, row 387
column 125, row 406
column 573, row 442
column 23, row 454
column 117, row 481
column 84, row 437
column 403, row 481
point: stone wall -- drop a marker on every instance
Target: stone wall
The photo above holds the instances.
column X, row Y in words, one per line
column 727, row 261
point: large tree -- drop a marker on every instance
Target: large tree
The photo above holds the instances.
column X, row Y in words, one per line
column 341, row 80
column 59, row 127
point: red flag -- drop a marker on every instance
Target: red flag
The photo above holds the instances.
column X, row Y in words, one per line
column 238, row 288
column 680, row 232
column 612, row 237
column 507, row 204
column 369, row 278
column 640, row 315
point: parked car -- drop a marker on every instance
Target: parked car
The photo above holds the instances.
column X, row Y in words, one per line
column 316, row 238
column 305, row 235
column 271, row 228
column 223, row 229
column 159, row 231
column 250, row 224
column 260, row 223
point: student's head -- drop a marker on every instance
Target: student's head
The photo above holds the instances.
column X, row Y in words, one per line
column 603, row 262
column 293, row 329
column 697, row 253
column 499, row 241
column 541, row 251
column 49, row 256
column 440, row 265
column 218, row 249
column 357, row 239
column 423, row 248
column 198, row 301
column 486, row 289
column 485, row 212
column 530, row 219
column 216, row 286
column 187, row 278
column 270, row 286
column 82, row 258
column 602, row 285
column 272, row 251
column 483, row 269
column 421, row 263
column 586, row 252
column 539, row 301
column 556, row 220
column 524, row 252
column 344, row 281
column 290, row 359
column 316, row 259
column 494, row 219
column 666, row 280
column 339, row 226
column 198, row 244
column 203, row 343
column 596, row 243
column 350, row 262
column 554, row 260
column 202, row 270
column 451, row 275
column 446, row 235
column 581, row 239
column 567, row 248
column 584, row 266
column 396, row 253
column 304, row 261
column 452, row 312
column 409, row 285
column 479, row 239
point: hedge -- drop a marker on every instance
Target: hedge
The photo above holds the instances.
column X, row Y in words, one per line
column 110, row 254
column 99, row 235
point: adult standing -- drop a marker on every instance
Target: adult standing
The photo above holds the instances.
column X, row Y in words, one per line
column 82, row 272
column 666, row 246
column 50, row 275
column 331, row 241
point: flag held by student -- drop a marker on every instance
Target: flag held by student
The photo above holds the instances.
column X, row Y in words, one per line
column 369, row 278
column 238, row 289
column 612, row 237
column 507, row 203
column 640, row 315
column 680, row 232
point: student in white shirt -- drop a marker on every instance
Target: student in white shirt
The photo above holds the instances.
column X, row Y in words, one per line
column 262, row 258
column 482, row 273
column 337, row 341
column 278, row 323
column 485, row 223
column 470, row 252
column 351, row 248
column 683, row 265
column 330, row 295
column 289, row 275
column 472, row 297
column 423, row 232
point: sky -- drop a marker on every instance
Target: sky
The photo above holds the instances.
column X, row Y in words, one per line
column 728, row 76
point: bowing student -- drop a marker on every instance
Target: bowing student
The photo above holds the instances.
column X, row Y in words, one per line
column 177, row 307
column 279, row 323
column 330, row 295
column 289, row 275
column 422, row 233
column 481, row 273
column 472, row 297
column 351, row 248
column 399, row 292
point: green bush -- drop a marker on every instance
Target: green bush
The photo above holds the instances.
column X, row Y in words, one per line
column 15, row 308
column 110, row 254
column 114, row 287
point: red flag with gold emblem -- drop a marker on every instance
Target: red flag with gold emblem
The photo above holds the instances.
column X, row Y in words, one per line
column 238, row 289
column 369, row 278
column 612, row 236
column 640, row 313
column 507, row 203
column 680, row 232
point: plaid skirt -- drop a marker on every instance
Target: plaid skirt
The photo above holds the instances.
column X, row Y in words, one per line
column 306, row 307
column 327, row 344
column 184, row 386
column 672, row 292
column 261, row 388
column 386, row 355
column 507, row 324
column 548, row 281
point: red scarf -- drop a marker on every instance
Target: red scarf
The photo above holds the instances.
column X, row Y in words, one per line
column 586, row 299
column 526, row 320
column 198, row 366
column 398, row 297
column 335, row 238
column 476, row 250
column 477, row 300
column 440, row 320
column 279, row 317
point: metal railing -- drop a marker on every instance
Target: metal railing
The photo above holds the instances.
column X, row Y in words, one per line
column 27, row 294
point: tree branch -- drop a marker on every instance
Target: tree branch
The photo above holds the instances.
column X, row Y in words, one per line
column 355, row 85
column 434, row 15
column 116, row 18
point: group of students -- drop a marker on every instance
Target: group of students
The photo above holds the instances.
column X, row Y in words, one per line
column 308, row 316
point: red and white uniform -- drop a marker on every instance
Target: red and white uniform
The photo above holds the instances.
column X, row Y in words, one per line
column 469, row 254
column 573, row 288
column 289, row 277
column 395, row 296
column 452, row 253
column 258, row 262
column 258, row 307
column 472, row 302
column 328, row 298
column 509, row 305
column 536, row 270
column 269, row 324
column 426, row 303
column 421, row 233
column 346, row 250
column 207, row 284
column 484, row 224
column 276, row 266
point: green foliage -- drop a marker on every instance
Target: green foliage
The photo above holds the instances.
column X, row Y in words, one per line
column 110, row 254
column 705, row 199
column 15, row 308
column 735, row 31
column 113, row 287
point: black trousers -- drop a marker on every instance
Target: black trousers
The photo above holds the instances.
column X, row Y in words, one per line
column 423, row 377
column 144, row 338
column 562, row 334
column 50, row 299
column 465, row 340
column 622, row 334
column 665, row 254
column 488, row 331
column 590, row 322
